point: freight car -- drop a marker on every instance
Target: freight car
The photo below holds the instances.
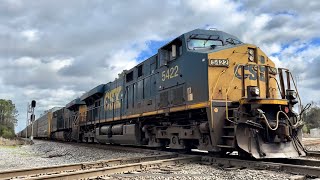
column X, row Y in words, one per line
column 42, row 127
column 206, row 90
column 61, row 126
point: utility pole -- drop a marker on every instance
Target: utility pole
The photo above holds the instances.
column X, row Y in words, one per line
column 33, row 105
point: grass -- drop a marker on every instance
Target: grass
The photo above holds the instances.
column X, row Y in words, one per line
column 8, row 147
column 13, row 142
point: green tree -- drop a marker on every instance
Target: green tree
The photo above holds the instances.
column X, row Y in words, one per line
column 312, row 116
column 8, row 118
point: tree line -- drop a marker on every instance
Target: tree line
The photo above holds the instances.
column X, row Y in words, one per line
column 8, row 118
column 311, row 117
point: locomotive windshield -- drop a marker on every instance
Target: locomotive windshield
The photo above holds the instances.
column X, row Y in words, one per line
column 233, row 41
column 198, row 41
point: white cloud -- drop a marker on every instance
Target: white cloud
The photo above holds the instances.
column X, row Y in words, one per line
column 122, row 60
column 57, row 64
column 31, row 34
column 277, row 61
column 25, row 62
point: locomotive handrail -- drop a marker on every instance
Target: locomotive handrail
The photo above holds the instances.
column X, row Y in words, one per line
column 234, row 75
column 215, row 86
column 289, row 76
column 297, row 91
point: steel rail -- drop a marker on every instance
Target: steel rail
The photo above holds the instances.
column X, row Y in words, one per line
column 101, row 172
column 304, row 162
column 313, row 153
column 264, row 165
column 27, row 173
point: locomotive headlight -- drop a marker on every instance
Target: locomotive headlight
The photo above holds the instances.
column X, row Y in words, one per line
column 251, row 54
column 251, row 58
column 254, row 91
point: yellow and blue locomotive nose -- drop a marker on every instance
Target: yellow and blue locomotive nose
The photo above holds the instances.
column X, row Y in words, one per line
column 227, row 67
column 245, row 100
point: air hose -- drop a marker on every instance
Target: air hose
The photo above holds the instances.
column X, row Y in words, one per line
column 277, row 120
column 267, row 122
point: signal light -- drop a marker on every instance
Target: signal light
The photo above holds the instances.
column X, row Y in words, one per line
column 32, row 117
column 33, row 103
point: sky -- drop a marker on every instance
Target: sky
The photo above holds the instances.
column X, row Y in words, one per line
column 54, row 51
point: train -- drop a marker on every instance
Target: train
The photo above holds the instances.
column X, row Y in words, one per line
column 205, row 90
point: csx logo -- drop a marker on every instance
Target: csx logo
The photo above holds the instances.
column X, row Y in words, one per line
column 252, row 69
column 112, row 99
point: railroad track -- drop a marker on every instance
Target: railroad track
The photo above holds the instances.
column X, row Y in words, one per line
column 313, row 153
column 305, row 167
column 101, row 169
column 98, row 169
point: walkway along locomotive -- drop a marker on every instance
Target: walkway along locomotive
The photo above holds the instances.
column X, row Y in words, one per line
column 205, row 89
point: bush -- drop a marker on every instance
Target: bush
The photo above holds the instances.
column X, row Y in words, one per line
column 6, row 132
column 305, row 129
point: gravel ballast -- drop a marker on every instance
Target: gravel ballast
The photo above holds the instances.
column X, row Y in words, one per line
column 47, row 153
column 203, row 172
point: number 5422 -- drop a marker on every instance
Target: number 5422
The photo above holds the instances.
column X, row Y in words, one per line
column 170, row 73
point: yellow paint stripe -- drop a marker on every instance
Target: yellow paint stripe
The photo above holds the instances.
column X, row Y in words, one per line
column 149, row 113
column 200, row 105
column 178, row 108
column 264, row 101
column 160, row 111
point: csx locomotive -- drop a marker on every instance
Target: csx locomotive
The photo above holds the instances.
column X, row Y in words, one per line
column 204, row 90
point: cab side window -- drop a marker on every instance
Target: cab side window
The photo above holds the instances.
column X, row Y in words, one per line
column 170, row 52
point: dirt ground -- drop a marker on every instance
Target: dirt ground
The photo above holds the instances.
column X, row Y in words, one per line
column 311, row 144
column 310, row 141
